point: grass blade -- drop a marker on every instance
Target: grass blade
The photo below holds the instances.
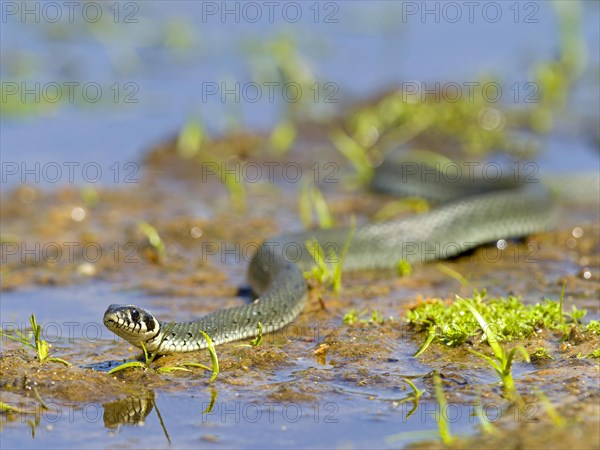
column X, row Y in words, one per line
column 127, row 365
column 213, row 356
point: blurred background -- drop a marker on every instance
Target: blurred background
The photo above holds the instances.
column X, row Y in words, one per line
column 102, row 83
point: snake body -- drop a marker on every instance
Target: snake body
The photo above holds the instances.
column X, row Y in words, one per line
column 475, row 213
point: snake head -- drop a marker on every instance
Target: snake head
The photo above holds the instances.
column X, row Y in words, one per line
column 132, row 323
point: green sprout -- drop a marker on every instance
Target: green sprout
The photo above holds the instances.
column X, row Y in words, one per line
column 257, row 341
column 355, row 153
column 236, row 190
column 90, row 196
column 282, row 137
column 258, row 338
column 503, row 362
column 540, row 354
column 14, row 106
column 312, row 200
column 404, row 268
column 190, row 139
column 562, row 316
column 190, row 145
column 430, row 337
column 322, row 271
column 213, row 356
column 235, row 187
column 575, row 315
column 153, row 237
column 337, row 275
column 353, row 316
column 41, row 346
column 280, row 59
column 593, row 355
column 593, row 327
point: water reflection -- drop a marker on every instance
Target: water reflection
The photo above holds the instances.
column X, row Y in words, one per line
column 131, row 410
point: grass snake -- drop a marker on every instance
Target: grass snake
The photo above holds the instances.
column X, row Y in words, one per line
column 472, row 212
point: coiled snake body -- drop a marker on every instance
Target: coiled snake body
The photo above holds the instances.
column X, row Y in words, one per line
column 476, row 212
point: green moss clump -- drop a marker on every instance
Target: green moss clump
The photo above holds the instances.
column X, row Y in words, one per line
column 451, row 324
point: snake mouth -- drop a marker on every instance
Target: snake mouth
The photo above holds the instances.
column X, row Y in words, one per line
column 117, row 324
column 111, row 320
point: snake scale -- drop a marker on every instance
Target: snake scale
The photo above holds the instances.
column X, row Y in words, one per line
column 472, row 213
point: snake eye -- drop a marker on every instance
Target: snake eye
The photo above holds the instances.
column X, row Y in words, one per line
column 135, row 315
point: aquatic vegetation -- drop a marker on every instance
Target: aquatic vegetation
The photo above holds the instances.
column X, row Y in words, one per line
column 258, row 338
column 153, row 237
column 279, row 59
column 41, row 346
column 190, row 139
column 594, row 354
column 311, row 201
column 353, row 316
column 355, row 153
column 324, row 273
column 593, row 327
column 282, row 137
column 574, row 315
column 496, row 320
column 471, row 123
column 502, row 362
column 508, row 318
column 404, row 268
column 540, row 354
column 193, row 142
